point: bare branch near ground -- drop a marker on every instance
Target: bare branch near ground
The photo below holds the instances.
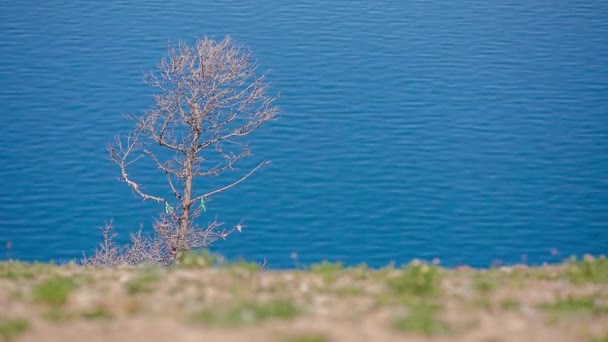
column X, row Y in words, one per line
column 142, row 249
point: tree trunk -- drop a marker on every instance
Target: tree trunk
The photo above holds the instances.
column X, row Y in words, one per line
column 184, row 219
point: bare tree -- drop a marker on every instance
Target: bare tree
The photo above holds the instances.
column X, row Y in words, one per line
column 208, row 97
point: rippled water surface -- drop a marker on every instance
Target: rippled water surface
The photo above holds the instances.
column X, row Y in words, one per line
column 471, row 131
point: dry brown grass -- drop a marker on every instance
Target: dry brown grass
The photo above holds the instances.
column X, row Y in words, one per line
column 239, row 302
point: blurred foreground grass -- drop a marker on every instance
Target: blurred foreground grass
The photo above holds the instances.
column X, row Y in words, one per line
column 208, row 298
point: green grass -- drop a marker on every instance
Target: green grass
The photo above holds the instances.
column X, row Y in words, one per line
column 144, row 282
column 349, row 291
column 97, row 314
column 54, row 291
column 247, row 313
column 12, row 275
column 416, row 279
column 13, row 328
column 421, row 319
column 492, row 339
column 306, row 338
column 327, row 270
column 17, row 295
column 588, row 270
column 361, row 271
column 509, row 304
column 484, row 286
column 19, row 270
column 418, row 286
column 199, row 259
column 576, row 305
column 484, row 303
column 57, row 315
column 245, row 265
column 598, row 338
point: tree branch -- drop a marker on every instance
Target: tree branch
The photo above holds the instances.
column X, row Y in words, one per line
column 119, row 156
column 209, row 194
column 168, row 173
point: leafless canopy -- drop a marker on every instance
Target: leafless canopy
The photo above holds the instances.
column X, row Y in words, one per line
column 207, row 98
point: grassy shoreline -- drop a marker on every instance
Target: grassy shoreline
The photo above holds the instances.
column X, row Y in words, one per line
column 201, row 299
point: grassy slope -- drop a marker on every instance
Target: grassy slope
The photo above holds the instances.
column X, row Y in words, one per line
column 239, row 302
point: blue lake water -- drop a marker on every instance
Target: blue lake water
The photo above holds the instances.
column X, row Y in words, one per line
column 466, row 130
